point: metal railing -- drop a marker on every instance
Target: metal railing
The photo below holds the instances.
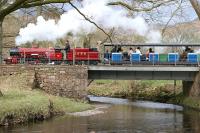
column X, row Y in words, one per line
column 154, row 60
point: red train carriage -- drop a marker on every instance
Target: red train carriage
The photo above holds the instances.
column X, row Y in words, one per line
column 83, row 56
column 52, row 55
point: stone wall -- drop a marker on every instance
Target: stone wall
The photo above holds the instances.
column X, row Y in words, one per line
column 70, row 81
column 63, row 80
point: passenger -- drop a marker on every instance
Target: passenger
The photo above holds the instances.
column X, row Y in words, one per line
column 130, row 52
column 67, row 46
column 147, row 54
column 119, row 50
column 106, row 55
column 137, row 50
column 187, row 50
column 114, row 49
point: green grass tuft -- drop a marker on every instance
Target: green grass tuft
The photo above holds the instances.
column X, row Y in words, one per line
column 19, row 103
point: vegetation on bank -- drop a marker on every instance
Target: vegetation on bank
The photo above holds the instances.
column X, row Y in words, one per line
column 154, row 90
column 160, row 91
column 20, row 103
column 190, row 102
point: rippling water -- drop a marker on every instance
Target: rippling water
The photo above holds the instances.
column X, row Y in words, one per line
column 121, row 116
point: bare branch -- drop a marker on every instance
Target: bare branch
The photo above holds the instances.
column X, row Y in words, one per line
column 155, row 4
column 196, row 6
column 86, row 18
column 10, row 8
column 173, row 14
column 39, row 3
column 110, row 34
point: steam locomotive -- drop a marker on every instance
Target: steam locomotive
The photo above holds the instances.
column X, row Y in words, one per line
column 53, row 55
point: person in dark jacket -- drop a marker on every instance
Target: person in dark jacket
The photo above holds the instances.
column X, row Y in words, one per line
column 67, row 46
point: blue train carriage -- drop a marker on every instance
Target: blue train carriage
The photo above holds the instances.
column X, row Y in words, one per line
column 116, row 58
column 173, row 57
column 154, row 57
column 135, row 58
column 192, row 58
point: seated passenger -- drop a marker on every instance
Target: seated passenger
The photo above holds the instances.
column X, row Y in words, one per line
column 183, row 56
column 130, row 52
column 114, row 49
column 119, row 50
column 147, row 54
column 137, row 50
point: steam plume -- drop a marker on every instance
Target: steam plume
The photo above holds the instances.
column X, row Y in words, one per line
column 72, row 21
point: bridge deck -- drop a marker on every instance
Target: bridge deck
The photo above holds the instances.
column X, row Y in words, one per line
column 186, row 73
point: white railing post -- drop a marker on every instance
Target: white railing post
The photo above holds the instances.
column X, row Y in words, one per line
column 73, row 58
column 88, row 58
column 24, row 57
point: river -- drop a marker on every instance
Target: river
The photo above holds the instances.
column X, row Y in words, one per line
column 120, row 116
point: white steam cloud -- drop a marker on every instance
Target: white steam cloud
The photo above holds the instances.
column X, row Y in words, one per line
column 72, row 21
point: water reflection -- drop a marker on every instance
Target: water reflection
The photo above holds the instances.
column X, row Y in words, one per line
column 123, row 116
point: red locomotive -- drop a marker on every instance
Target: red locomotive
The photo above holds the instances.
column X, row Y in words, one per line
column 53, row 55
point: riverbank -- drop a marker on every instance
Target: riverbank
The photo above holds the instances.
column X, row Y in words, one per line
column 158, row 91
column 20, row 103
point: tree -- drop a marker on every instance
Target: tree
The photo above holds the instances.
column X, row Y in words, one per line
column 196, row 5
column 9, row 6
column 149, row 5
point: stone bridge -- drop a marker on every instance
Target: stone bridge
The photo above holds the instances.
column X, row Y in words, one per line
column 72, row 81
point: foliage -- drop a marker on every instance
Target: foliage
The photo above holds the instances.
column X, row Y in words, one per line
column 160, row 91
column 20, row 103
column 25, row 105
column 192, row 102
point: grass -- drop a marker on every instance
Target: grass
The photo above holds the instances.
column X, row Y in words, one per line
column 192, row 102
column 156, row 90
column 20, row 103
column 157, row 83
column 110, row 88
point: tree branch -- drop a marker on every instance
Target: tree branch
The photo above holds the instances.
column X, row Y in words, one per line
column 173, row 14
column 86, row 18
column 27, row 4
column 39, row 3
column 145, row 9
column 12, row 7
column 110, row 34
column 196, row 5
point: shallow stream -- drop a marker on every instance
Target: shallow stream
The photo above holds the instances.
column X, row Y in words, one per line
column 117, row 115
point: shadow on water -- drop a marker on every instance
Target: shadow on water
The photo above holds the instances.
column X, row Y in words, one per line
column 122, row 116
